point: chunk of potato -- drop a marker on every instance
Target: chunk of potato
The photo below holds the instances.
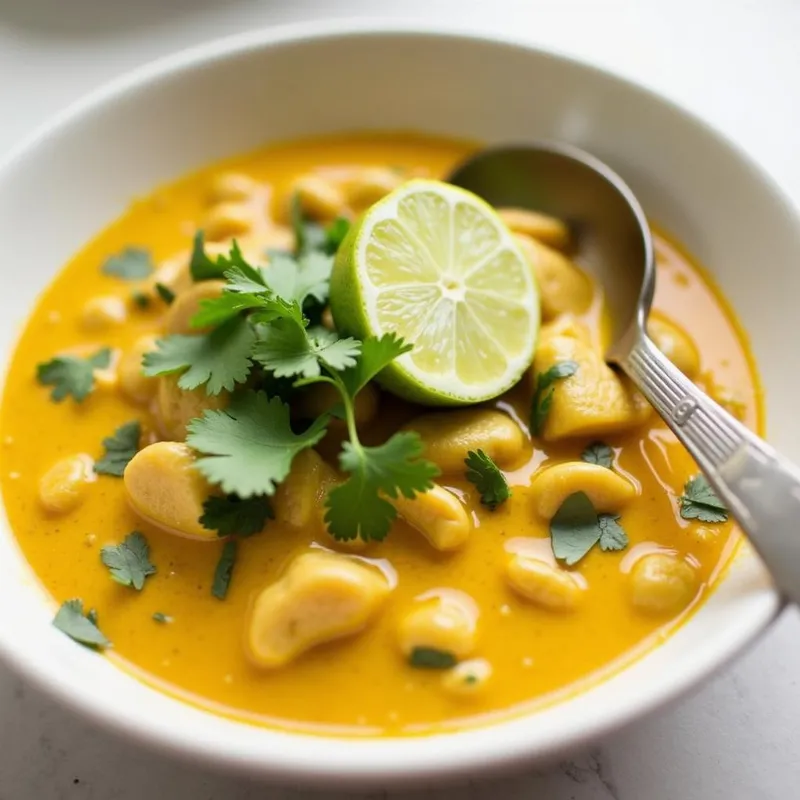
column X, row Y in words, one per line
column 319, row 197
column 103, row 312
column 449, row 435
column 176, row 407
column 322, row 596
column 316, row 400
column 164, row 487
column 447, row 622
column 231, row 186
column 438, row 515
column 187, row 304
column 542, row 227
column 133, row 383
column 662, row 584
column 607, row 489
column 675, row 344
column 595, row 401
column 63, row 487
column 563, row 288
column 368, row 185
column 227, row 220
column 546, row 586
column 467, row 679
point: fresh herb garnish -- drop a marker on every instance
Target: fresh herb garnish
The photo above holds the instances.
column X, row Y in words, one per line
column 224, row 570
column 71, row 620
column 576, row 528
column 701, row 503
column 598, row 453
column 248, row 448
column 131, row 264
column 310, row 236
column 335, row 233
column 129, row 562
column 165, row 293
column 72, row 375
column 91, row 615
column 233, row 516
column 543, row 393
column 140, row 299
column 163, row 619
column 487, row 478
column 119, row 449
column 431, row 658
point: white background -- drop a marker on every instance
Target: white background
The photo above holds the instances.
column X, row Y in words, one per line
column 735, row 63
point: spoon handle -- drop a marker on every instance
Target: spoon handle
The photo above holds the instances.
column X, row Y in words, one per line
column 759, row 486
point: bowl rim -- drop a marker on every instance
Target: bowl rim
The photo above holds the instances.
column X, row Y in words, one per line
column 418, row 764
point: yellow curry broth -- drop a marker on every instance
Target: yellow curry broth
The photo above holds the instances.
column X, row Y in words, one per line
column 361, row 684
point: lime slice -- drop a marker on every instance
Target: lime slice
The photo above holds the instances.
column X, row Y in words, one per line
column 435, row 265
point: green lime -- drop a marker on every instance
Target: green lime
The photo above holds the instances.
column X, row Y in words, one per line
column 435, row 265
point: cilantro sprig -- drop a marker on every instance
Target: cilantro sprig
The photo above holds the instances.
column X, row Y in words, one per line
column 543, row 392
column 487, row 478
column 129, row 562
column 119, row 448
column 699, row 502
column 72, row 375
column 577, row 527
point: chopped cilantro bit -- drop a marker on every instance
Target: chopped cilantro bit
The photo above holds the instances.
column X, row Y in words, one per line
column 576, row 528
column 543, row 393
column 598, row 453
column 163, row 619
column 119, row 449
column 132, row 264
column 701, row 503
column 91, row 615
column 165, row 293
column 488, row 479
column 72, row 375
column 232, row 516
column 201, row 266
column 224, row 570
column 219, row 359
column 248, row 448
column 70, row 620
column 431, row 658
column 129, row 562
column 140, row 299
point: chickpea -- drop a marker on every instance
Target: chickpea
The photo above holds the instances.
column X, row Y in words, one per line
column 227, row 220
column 662, row 584
column 316, row 400
column 103, row 312
column 231, row 187
column 299, row 498
column 164, row 487
column 438, row 515
column 322, row 596
column 467, row 679
column 607, row 490
column 176, row 407
column 187, row 304
column 548, row 587
column 542, row 227
column 133, row 383
column 319, row 197
column 369, row 185
column 447, row 623
column 63, row 487
column 675, row 344
column 449, row 436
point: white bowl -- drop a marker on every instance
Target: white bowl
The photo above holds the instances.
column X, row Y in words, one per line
column 80, row 172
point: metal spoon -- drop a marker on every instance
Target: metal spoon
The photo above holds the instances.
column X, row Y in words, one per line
column 759, row 486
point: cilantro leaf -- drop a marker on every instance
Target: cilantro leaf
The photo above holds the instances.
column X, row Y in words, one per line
column 335, row 233
column 357, row 507
column 219, row 359
column 129, row 562
column 140, row 299
column 160, row 617
column 612, row 536
column 576, row 528
column 598, row 453
column 431, row 658
column 542, row 398
column 119, row 449
column 308, row 235
column 165, row 293
column 70, row 619
column 224, row 570
column 701, row 503
column 287, row 349
column 217, row 311
column 201, row 266
column 72, row 375
column 295, row 280
column 244, row 281
column 131, row 264
column 487, row 478
column 375, row 355
column 248, row 448
column 232, row 516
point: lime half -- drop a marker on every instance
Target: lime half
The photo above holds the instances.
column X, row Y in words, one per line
column 435, row 265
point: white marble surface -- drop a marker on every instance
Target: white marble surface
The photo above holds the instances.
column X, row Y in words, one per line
column 737, row 64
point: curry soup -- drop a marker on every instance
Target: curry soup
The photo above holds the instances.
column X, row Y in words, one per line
column 463, row 611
